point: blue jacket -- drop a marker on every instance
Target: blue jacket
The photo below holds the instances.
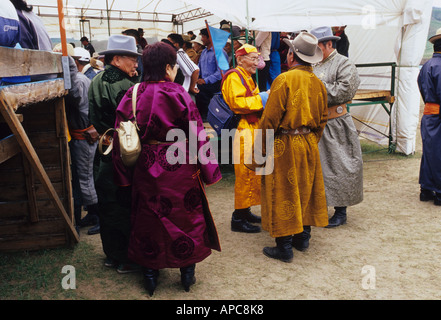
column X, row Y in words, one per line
column 209, row 70
column 429, row 80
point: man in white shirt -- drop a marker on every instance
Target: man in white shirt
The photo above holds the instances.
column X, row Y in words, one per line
column 189, row 69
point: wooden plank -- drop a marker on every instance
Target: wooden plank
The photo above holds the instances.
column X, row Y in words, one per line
column 9, row 147
column 43, row 140
column 25, row 62
column 19, row 117
column 24, row 94
column 372, row 95
column 30, row 188
column 15, row 176
column 18, row 192
column 33, row 243
column 14, row 212
column 27, row 148
column 62, row 127
column 20, row 230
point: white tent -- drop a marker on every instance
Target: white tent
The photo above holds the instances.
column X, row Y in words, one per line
column 379, row 31
column 98, row 19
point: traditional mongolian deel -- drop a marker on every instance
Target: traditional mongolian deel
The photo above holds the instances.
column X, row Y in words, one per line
column 236, row 95
column 340, row 150
column 171, row 223
column 429, row 82
column 106, row 91
column 294, row 192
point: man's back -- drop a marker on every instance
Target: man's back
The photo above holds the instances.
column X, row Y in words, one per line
column 429, row 80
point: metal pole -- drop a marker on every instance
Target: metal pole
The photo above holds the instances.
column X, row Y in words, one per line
column 108, row 18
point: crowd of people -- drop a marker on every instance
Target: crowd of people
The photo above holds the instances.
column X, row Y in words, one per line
column 155, row 215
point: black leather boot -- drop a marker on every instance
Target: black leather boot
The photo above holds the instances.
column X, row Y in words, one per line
column 426, row 195
column 338, row 219
column 150, row 280
column 240, row 224
column 300, row 241
column 283, row 250
column 437, row 199
column 247, row 215
column 187, row 276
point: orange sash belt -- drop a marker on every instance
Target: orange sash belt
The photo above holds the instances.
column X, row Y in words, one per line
column 77, row 134
column 431, row 108
column 251, row 117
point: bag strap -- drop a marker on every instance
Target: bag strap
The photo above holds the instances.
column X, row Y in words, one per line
column 249, row 92
column 134, row 95
column 100, row 144
column 110, row 147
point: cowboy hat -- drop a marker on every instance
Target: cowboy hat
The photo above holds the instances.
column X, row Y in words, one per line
column 324, row 34
column 70, row 49
column 121, row 45
column 305, row 46
column 81, row 54
column 197, row 40
column 436, row 37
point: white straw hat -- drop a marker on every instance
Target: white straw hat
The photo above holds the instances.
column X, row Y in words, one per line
column 436, row 37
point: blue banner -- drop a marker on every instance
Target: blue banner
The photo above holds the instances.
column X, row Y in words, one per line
column 219, row 38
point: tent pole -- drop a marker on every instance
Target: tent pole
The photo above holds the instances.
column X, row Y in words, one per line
column 62, row 27
column 108, row 18
column 64, row 58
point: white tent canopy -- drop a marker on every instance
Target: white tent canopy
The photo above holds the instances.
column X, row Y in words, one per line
column 98, row 19
column 379, row 31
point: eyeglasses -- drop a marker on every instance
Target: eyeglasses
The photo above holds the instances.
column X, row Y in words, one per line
column 133, row 59
column 254, row 59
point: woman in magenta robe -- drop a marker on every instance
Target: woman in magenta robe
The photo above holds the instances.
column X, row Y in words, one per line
column 171, row 223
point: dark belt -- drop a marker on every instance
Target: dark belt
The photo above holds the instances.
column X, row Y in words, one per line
column 297, row 131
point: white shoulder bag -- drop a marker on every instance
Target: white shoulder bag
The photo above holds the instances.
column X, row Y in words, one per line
column 129, row 142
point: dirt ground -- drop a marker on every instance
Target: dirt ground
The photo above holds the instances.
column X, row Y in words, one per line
column 389, row 249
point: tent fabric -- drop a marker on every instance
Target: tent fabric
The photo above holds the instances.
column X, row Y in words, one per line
column 154, row 16
column 379, row 31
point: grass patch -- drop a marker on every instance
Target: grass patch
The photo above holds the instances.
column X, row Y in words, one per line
column 37, row 274
column 374, row 152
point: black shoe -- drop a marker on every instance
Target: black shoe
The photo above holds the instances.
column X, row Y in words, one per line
column 187, row 277
column 242, row 225
column 427, row 195
column 300, row 241
column 150, row 280
column 110, row 263
column 247, row 215
column 338, row 219
column 283, row 250
column 437, row 199
column 94, row 230
column 89, row 220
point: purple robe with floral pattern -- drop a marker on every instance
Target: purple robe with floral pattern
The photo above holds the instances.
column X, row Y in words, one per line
column 171, row 223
